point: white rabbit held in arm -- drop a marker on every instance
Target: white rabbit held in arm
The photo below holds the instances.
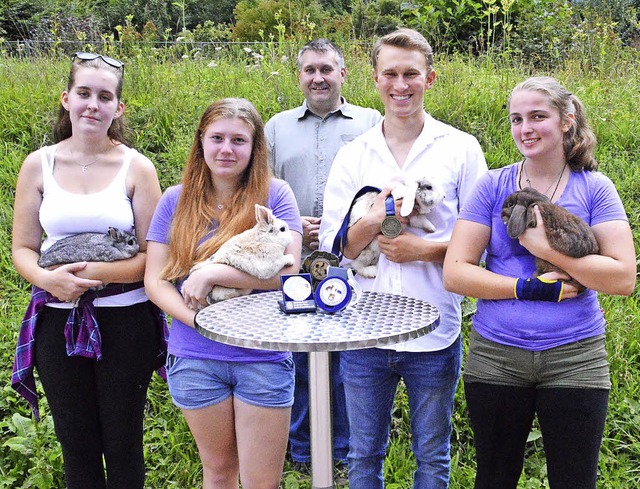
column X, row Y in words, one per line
column 418, row 197
column 258, row 251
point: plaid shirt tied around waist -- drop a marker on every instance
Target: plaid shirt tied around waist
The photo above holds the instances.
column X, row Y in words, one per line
column 81, row 332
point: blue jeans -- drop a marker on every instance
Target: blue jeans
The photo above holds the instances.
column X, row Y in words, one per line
column 371, row 377
column 299, row 433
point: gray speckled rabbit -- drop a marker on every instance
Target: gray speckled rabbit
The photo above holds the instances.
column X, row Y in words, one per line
column 566, row 232
column 258, row 251
column 110, row 246
column 424, row 194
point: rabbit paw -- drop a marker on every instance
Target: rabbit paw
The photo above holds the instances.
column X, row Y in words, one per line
column 369, row 272
column 219, row 294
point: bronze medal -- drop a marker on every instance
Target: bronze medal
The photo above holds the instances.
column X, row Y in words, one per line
column 391, row 227
column 317, row 264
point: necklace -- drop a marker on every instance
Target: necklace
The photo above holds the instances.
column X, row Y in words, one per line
column 84, row 165
column 523, row 169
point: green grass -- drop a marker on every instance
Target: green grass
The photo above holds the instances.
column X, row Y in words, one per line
column 164, row 101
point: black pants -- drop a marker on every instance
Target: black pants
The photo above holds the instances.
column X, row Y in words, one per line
column 572, row 424
column 98, row 406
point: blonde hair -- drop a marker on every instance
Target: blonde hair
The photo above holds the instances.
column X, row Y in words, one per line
column 192, row 221
column 579, row 142
column 406, row 39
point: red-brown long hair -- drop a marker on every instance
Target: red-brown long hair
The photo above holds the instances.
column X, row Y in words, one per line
column 193, row 216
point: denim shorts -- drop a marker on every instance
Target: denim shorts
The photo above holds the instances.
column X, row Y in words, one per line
column 198, row 383
column 579, row 365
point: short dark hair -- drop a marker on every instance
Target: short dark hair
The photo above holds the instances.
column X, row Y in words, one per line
column 321, row 45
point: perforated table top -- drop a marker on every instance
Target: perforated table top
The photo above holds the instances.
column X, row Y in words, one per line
column 377, row 319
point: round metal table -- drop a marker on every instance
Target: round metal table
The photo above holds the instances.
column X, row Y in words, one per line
column 377, row 319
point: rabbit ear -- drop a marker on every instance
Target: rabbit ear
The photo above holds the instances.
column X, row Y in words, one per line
column 113, row 233
column 517, row 222
column 263, row 215
column 531, row 216
column 408, row 195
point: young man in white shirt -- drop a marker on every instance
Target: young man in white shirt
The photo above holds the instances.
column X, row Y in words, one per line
column 407, row 145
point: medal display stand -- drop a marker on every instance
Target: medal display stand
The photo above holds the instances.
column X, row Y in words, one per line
column 377, row 319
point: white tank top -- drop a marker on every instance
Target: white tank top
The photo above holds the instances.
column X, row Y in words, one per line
column 64, row 213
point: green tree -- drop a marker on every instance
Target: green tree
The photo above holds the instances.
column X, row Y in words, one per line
column 258, row 19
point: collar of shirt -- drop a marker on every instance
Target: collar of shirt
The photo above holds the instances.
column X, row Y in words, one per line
column 345, row 110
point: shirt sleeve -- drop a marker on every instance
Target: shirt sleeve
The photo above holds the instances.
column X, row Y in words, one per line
column 163, row 216
column 283, row 204
column 606, row 203
column 479, row 205
column 338, row 194
column 474, row 168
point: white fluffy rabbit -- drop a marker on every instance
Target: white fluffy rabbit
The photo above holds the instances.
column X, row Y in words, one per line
column 258, row 251
column 423, row 195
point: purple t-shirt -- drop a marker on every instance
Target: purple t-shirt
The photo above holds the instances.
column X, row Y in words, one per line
column 537, row 325
column 185, row 341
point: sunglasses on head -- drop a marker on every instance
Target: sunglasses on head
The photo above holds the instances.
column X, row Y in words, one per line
column 89, row 56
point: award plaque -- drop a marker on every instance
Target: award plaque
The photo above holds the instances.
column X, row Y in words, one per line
column 297, row 294
column 391, row 226
column 333, row 294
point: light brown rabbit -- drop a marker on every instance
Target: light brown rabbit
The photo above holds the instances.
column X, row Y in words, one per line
column 258, row 251
column 566, row 232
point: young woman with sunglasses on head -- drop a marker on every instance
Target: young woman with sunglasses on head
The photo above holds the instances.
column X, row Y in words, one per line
column 537, row 346
column 94, row 350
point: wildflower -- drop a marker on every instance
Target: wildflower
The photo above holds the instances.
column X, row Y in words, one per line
column 213, row 64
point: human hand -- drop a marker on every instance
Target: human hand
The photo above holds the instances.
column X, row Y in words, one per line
column 310, row 229
column 535, row 239
column 66, row 284
column 401, row 249
column 569, row 291
column 378, row 210
column 198, row 285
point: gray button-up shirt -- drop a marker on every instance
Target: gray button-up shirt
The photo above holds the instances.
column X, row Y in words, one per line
column 302, row 147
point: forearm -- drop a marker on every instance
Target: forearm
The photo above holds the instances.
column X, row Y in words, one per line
column 227, row 276
column 597, row 272
column 475, row 281
column 25, row 262
column 359, row 236
column 121, row 271
column 432, row 251
column 165, row 295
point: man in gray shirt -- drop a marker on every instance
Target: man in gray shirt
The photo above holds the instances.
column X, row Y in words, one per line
column 303, row 142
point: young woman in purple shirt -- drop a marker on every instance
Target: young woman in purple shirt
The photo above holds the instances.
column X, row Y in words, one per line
column 236, row 401
column 537, row 349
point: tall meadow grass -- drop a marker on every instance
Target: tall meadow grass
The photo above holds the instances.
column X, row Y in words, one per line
column 165, row 99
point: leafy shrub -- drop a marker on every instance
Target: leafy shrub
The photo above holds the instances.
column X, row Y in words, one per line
column 264, row 19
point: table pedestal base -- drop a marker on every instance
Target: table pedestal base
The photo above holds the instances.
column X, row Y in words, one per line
column 320, row 421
